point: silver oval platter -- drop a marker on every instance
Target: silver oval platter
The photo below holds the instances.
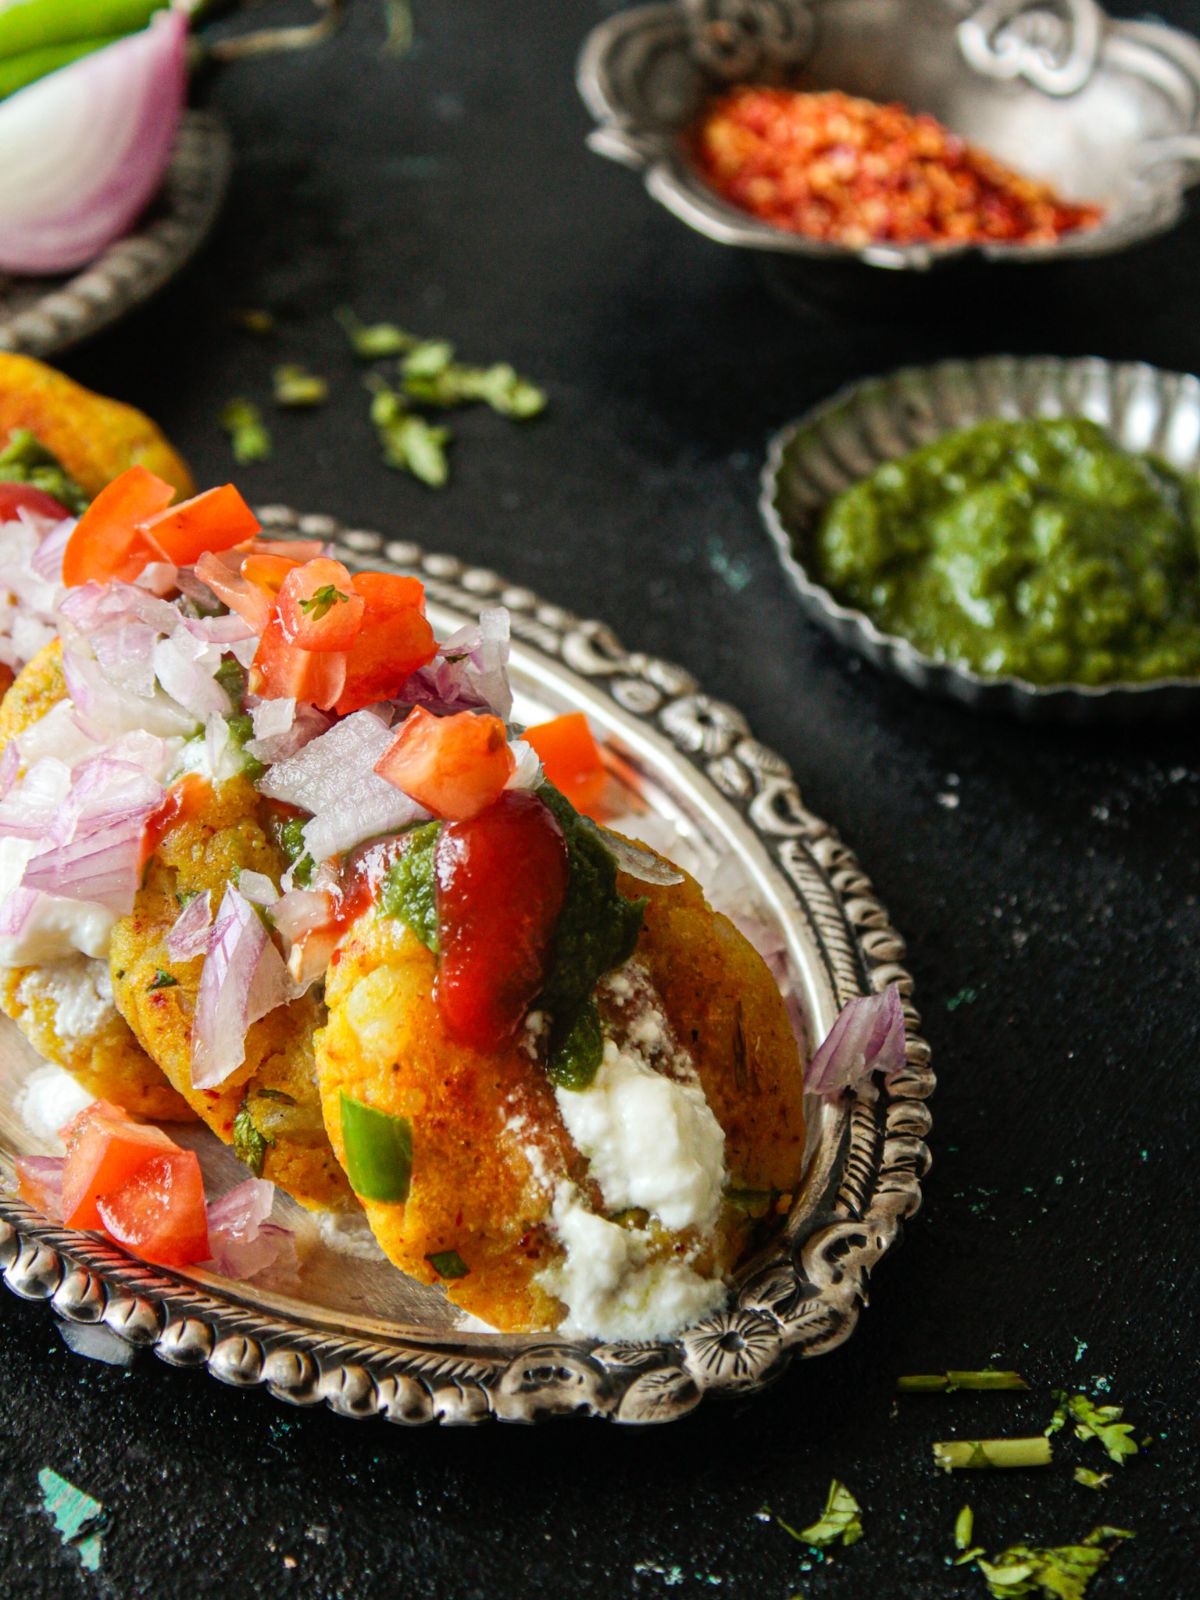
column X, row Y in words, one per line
column 40, row 316
column 845, row 438
column 367, row 1341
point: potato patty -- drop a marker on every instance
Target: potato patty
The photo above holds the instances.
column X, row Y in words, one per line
column 106, row 1059
column 488, row 1141
column 277, row 1080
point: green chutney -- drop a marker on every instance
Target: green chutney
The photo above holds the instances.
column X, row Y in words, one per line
column 1035, row 549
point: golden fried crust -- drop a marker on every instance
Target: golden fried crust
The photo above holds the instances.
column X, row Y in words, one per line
column 38, row 687
column 109, row 1063
column 727, row 1012
column 198, row 854
column 473, row 1117
column 93, row 437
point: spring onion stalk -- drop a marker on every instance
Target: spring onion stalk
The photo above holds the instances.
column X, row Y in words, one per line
column 954, row 1455
column 40, row 24
column 947, row 1382
column 378, row 1150
column 19, row 70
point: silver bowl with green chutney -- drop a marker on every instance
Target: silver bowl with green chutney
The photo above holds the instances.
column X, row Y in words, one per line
column 966, row 640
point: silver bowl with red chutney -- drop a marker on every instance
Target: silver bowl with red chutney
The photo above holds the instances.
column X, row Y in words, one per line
column 901, row 134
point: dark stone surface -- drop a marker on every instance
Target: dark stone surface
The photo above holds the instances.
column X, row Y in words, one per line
column 1052, row 913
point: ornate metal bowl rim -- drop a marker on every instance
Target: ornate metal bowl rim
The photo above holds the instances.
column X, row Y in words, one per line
column 134, row 267
column 1150, row 47
column 848, row 623
column 800, row 1297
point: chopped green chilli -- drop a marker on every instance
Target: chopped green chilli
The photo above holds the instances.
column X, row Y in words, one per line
column 378, row 1151
column 448, row 1264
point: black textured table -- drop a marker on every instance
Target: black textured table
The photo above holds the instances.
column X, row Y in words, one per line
column 1047, row 881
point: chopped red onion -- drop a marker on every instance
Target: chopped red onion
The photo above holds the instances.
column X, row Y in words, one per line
column 125, row 653
column 103, row 712
column 16, row 908
column 867, row 1037
column 469, row 672
column 96, row 837
column 245, row 1243
column 29, row 810
column 190, row 932
column 226, row 630
column 159, row 578
column 47, row 559
column 527, row 770
column 257, row 888
column 299, row 912
column 28, row 597
column 631, row 858
column 95, row 605
column 86, row 147
column 334, row 778
column 282, row 728
column 186, row 668
column 10, row 765
column 243, row 978
column 46, row 1174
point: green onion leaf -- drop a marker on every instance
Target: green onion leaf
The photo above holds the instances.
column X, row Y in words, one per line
column 378, row 1149
column 1102, row 1423
column 947, row 1382
column 448, row 1264
column 953, row 1455
column 296, row 387
column 161, row 980
column 242, row 421
column 1090, row 1479
column 1061, row 1572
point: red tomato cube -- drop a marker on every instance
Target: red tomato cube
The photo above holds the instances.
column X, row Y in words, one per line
column 454, row 766
column 159, row 1213
column 105, row 1147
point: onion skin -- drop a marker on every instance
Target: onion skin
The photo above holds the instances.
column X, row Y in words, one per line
column 85, row 149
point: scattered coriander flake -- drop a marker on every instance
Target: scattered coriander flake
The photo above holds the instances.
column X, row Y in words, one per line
column 1090, row 1479
column 427, row 359
column 24, row 459
column 295, row 387
column 1061, row 1572
column 448, row 1264
column 249, row 1145
column 374, row 341
column 78, row 1518
column 257, row 322
column 947, row 1382
column 954, row 1455
column 1094, row 1422
column 964, row 1527
column 410, row 443
column 161, row 980
column 450, row 384
column 399, row 18
column 839, row 1520
column 242, row 421
column 322, row 602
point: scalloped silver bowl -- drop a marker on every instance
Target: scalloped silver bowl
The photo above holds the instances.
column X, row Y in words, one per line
column 1106, row 111
column 867, row 423
column 367, row 1341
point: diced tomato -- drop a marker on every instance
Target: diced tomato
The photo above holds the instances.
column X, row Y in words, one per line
column 571, row 758
column 105, row 1147
column 6, row 678
column 296, row 550
column 182, row 801
column 281, row 670
column 387, row 594
column 252, row 603
column 267, row 569
column 159, row 1213
column 215, row 520
column 501, row 883
column 319, row 607
column 454, row 766
column 107, row 541
column 16, row 497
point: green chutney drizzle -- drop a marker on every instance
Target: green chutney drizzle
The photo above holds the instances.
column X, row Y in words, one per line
column 1035, row 549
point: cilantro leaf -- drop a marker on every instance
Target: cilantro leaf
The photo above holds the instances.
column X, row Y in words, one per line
column 374, row 341
column 839, row 1521
column 1060, row 1572
column 1102, row 1423
column 161, row 980
column 25, row 459
column 242, row 421
column 249, row 1145
column 296, row 387
column 322, row 602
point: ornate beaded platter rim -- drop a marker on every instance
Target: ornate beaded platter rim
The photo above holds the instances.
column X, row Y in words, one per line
column 693, row 758
column 40, row 316
column 845, row 438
